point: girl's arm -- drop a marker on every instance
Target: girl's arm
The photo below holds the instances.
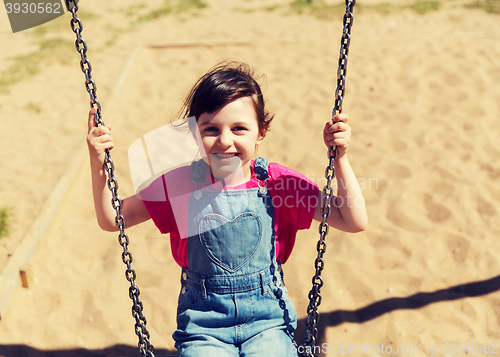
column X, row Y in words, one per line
column 133, row 209
column 348, row 211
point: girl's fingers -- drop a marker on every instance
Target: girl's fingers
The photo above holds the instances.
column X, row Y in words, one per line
column 91, row 121
column 98, row 146
column 100, row 131
column 338, row 132
column 107, row 145
column 99, row 139
column 343, row 126
column 338, row 127
column 103, row 139
column 338, row 142
column 338, row 139
column 342, row 117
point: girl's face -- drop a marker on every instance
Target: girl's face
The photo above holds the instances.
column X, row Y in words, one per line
column 229, row 138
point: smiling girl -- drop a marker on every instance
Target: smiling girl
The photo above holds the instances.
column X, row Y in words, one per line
column 232, row 220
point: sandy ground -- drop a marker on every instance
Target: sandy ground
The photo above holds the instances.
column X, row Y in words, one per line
column 423, row 97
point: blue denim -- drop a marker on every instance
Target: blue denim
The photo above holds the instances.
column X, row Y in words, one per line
column 233, row 301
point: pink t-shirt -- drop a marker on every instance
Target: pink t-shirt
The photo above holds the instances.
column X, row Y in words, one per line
column 294, row 199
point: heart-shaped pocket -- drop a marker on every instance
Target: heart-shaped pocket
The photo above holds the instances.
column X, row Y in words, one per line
column 230, row 243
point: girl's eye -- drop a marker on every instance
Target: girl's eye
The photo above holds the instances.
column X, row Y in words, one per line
column 210, row 129
column 239, row 128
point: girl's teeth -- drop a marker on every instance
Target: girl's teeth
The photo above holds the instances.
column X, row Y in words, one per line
column 225, row 155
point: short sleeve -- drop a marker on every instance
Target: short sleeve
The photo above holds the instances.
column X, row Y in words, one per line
column 295, row 198
column 159, row 205
column 297, row 194
column 309, row 193
column 155, row 199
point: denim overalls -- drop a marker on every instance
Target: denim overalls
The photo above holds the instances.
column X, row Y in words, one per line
column 233, row 301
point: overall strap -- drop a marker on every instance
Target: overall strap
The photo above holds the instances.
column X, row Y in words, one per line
column 199, row 169
column 262, row 174
column 261, row 169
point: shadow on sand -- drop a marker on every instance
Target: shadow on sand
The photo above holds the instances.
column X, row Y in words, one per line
column 416, row 301
column 328, row 319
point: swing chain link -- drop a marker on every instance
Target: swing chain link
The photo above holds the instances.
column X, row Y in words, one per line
column 315, row 297
column 344, row 51
column 145, row 347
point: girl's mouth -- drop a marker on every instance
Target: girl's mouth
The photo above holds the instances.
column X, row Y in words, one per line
column 225, row 156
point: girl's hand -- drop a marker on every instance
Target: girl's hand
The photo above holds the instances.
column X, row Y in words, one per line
column 98, row 140
column 338, row 133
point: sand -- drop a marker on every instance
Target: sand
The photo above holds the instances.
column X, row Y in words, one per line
column 423, row 99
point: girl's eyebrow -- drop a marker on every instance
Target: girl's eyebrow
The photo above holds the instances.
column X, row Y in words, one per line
column 239, row 123
column 205, row 123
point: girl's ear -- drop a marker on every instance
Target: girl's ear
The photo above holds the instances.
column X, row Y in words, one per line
column 260, row 137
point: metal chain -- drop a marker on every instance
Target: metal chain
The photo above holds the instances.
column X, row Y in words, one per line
column 315, row 293
column 145, row 347
column 345, row 41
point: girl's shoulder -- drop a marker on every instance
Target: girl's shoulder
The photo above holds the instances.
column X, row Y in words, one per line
column 287, row 179
column 277, row 170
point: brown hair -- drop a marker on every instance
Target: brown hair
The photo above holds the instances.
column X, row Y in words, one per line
column 222, row 84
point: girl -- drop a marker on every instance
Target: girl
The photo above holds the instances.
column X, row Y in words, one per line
column 232, row 220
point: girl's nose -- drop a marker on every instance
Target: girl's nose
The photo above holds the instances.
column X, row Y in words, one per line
column 225, row 138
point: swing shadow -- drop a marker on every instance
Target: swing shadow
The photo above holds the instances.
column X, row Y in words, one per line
column 378, row 308
column 328, row 319
column 113, row 351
